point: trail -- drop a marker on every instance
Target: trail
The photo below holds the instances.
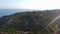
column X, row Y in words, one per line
column 56, row 26
column 56, row 18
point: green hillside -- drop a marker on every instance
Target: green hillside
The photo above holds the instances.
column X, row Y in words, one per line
column 33, row 22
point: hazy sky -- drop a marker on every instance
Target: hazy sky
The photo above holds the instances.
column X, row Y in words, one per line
column 30, row 4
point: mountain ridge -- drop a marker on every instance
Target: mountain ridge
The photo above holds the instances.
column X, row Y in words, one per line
column 29, row 21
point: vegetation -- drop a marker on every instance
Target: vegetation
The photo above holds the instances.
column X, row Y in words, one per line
column 33, row 22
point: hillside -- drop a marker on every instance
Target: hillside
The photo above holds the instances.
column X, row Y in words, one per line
column 33, row 22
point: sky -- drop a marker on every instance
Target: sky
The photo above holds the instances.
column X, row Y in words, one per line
column 30, row 4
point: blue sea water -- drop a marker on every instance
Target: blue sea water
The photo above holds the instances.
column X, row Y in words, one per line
column 4, row 12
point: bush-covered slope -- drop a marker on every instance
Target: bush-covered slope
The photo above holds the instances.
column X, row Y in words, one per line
column 34, row 21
